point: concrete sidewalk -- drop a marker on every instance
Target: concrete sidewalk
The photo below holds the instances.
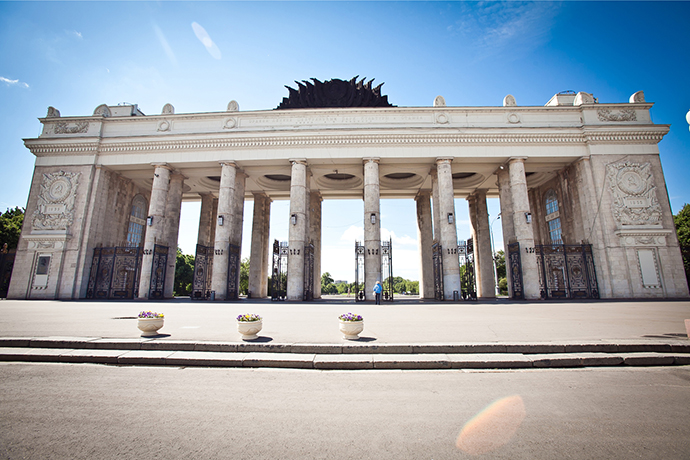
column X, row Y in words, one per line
column 405, row 334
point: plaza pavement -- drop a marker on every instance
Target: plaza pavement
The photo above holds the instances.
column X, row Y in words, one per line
column 406, row 334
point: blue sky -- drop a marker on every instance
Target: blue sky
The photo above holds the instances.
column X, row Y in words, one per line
column 200, row 55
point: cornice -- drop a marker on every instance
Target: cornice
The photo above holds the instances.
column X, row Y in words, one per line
column 110, row 147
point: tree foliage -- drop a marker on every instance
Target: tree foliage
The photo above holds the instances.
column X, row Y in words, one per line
column 327, row 286
column 682, row 221
column 244, row 276
column 184, row 274
column 11, row 226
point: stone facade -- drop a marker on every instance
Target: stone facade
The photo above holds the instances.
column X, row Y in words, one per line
column 573, row 171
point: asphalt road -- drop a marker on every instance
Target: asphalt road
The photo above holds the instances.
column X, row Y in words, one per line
column 62, row 411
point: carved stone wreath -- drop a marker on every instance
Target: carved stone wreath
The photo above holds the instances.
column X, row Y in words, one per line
column 56, row 201
column 634, row 194
column 623, row 115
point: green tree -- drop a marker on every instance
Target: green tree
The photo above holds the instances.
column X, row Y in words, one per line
column 327, row 286
column 244, row 276
column 500, row 259
column 11, row 226
column 184, row 274
column 682, row 221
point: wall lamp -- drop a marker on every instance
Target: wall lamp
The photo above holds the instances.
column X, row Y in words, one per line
column 450, row 218
column 293, row 219
column 373, row 218
column 149, row 220
column 528, row 217
column 221, row 220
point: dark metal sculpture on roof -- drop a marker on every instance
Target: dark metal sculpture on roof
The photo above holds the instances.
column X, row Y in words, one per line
column 334, row 93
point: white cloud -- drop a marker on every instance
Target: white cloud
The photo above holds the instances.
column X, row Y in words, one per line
column 76, row 34
column 205, row 40
column 9, row 82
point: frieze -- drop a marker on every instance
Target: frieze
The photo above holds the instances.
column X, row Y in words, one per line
column 77, row 128
column 622, row 115
column 55, row 201
column 634, row 194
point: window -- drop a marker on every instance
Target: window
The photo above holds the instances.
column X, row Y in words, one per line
column 137, row 221
column 553, row 218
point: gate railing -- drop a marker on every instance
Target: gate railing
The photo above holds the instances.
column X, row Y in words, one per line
column 115, row 273
column 158, row 269
column 279, row 270
column 566, row 271
column 468, row 284
column 308, row 272
column 233, row 282
column 515, row 267
column 437, row 256
column 203, row 272
column 359, row 272
column 387, row 269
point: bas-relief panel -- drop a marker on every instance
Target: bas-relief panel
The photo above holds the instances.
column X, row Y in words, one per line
column 634, row 194
column 55, row 202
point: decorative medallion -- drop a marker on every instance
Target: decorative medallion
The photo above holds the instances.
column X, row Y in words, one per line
column 634, row 194
column 56, row 201
column 623, row 115
column 334, row 93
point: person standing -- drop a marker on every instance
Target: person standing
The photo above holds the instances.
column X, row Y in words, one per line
column 377, row 291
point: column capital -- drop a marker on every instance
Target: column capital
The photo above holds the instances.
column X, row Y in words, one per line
column 422, row 194
column 366, row 160
column 583, row 158
column 442, row 160
column 229, row 163
column 300, row 161
column 162, row 165
column 512, row 160
column 178, row 175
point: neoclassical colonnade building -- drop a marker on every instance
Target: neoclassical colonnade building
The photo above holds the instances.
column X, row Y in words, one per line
column 584, row 207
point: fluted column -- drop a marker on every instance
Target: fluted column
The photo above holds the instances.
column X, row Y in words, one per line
column 523, row 228
column 436, row 212
column 298, row 229
column 257, row 262
column 448, row 231
column 267, row 265
column 154, row 232
column 486, row 286
column 173, row 207
column 226, row 196
column 506, row 202
column 426, row 238
column 372, row 230
column 315, row 237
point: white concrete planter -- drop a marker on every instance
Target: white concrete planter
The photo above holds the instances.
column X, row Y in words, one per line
column 149, row 326
column 249, row 329
column 351, row 329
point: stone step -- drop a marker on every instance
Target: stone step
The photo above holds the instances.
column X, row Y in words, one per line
column 335, row 361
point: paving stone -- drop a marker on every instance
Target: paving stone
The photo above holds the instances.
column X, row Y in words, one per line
column 171, row 345
column 341, row 361
column 206, row 358
column 119, row 344
column 263, row 347
column 92, row 356
column 601, row 359
column 227, row 347
column 63, row 342
column 301, row 361
column 387, row 348
column 144, row 357
column 556, row 360
column 535, row 348
column 411, row 361
column 317, row 348
column 459, row 348
column 15, row 341
column 489, row 361
column 682, row 359
column 591, row 348
column 648, row 359
column 627, row 347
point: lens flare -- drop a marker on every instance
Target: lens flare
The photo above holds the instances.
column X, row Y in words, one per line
column 492, row 427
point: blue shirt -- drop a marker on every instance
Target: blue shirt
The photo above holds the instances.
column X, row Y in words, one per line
column 378, row 288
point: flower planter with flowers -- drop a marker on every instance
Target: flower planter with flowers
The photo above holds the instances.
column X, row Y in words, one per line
column 149, row 323
column 351, row 325
column 249, row 326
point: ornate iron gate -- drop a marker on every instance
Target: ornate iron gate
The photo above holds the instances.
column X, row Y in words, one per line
column 468, row 283
column 114, row 273
column 437, row 252
column 359, row 272
column 158, row 269
column 387, row 269
column 566, row 272
column 233, row 283
column 279, row 272
column 6, row 264
column 203, row 269
column 515, row 267
column 308, row 272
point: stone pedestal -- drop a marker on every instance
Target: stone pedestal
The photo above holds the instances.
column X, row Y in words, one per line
column 372, row 227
